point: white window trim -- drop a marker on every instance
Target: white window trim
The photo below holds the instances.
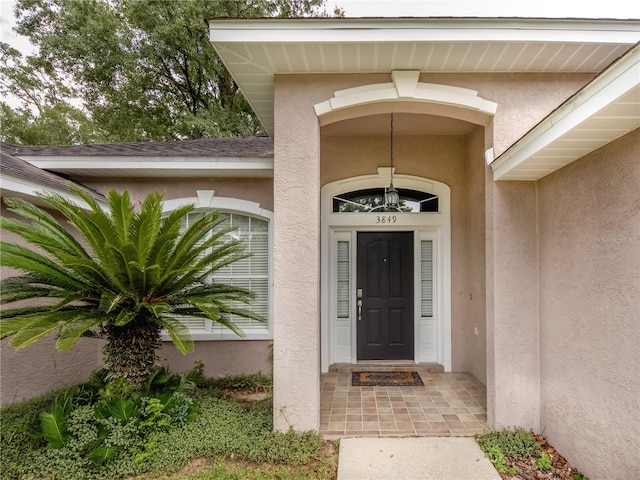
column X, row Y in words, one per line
column 206, row 200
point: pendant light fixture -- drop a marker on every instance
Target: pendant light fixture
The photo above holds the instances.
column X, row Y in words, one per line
column 391, row 195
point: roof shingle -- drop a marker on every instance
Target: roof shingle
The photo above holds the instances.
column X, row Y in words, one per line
column 255, row 147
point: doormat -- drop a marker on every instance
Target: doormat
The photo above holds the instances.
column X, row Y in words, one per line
column 386, row 379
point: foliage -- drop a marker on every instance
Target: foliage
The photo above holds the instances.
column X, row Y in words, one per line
column 148, row 71
column 499, row 460
column 17, row 434
column 121, row 420
column 43, row 115
column 544, row 462
column 512, row 443
column 222, row 429
column 580, row 476
column 288, row 448
column 518, row 443
column 255, row 381
column 131, row 274
column 229, row 470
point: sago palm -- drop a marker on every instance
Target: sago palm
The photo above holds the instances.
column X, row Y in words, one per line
column 125, row 275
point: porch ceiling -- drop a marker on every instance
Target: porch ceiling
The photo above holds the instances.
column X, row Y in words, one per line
column 255, row 51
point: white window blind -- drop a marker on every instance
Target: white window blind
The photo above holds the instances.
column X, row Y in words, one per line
column 251, row 273
column 343, row 279
column 426, row 278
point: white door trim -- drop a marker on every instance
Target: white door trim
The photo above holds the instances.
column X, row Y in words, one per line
column 335, row 346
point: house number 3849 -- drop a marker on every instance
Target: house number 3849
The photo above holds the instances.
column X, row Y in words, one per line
column 386, row 219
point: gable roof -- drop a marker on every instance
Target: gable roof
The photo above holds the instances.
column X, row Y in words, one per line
column 227, row 156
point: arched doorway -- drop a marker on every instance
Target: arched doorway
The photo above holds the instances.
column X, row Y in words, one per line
column 364, row 250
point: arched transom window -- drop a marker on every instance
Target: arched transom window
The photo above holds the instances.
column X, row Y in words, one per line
column 373, row 200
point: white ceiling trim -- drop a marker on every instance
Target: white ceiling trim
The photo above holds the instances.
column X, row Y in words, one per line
column 421, row 30
column 605, row 109
column 154, row 166
column 405, row 87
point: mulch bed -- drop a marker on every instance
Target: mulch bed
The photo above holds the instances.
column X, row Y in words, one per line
column 528, row 468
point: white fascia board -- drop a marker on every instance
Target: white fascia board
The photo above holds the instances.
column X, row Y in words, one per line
column 424, row 30
column 58, row 163
column 606, row 88
column 17, row 185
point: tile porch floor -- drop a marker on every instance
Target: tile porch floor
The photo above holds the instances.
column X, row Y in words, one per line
column 449, row 404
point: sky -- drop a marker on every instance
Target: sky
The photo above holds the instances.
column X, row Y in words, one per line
column 622, row 9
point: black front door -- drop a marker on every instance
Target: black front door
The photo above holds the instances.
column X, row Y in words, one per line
column 385, row 288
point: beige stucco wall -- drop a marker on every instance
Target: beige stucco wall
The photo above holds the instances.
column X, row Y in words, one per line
column 512, row 314
column 523, row 99
column 258, row 190
column 40, row 368
column 477, row 171
column 590, row 310
column 223, row 358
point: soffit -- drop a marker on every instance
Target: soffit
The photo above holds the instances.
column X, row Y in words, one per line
column 604, row 110
column 256, row 50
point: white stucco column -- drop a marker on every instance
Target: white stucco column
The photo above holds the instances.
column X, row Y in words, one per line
column 296, row 292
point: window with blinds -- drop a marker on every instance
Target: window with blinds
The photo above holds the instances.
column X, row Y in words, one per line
column 426, row 274
column 251, row 273
column 343, row 279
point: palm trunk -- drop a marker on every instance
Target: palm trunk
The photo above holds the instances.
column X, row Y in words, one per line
column 130, row 353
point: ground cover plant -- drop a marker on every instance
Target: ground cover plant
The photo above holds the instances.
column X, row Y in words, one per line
column 99, row 435
column 521, row 454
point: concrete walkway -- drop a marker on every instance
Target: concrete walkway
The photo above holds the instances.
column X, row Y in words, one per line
column 433, row 458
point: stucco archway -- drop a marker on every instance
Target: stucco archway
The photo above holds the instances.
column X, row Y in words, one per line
column 356, row 120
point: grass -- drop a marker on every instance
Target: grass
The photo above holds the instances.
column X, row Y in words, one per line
column 227, row 440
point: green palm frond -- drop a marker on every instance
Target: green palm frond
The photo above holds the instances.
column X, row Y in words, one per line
column 124, row 271
column 25, row 287
column 72, row 331
column 178, row 332
column 27, row 260
column 48, row 228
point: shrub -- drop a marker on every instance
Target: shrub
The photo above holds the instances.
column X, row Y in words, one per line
column 512, row 443
column 115, row 443
column 288, row 448
column 254, row 381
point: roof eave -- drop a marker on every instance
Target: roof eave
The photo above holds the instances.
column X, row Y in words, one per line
column 525, row 159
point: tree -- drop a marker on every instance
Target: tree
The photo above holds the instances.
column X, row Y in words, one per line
column 44, row 115
column 144, row 69
column 128, row 276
